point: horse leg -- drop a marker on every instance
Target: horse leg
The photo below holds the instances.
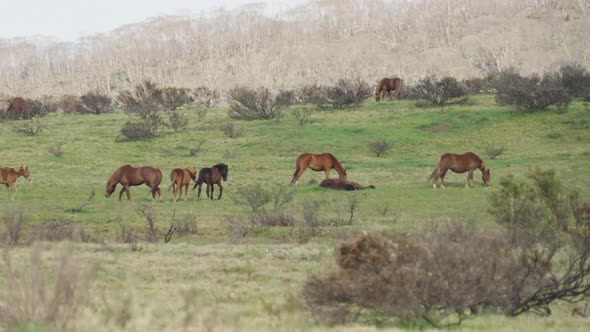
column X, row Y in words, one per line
column 442, row 178
column 327, row 172
column 121, row 193
column 128, row 191
column 212, row 189
column 13, row 186
column 297, row 175
column 185, row 192
column 220, row 190
column 7, row 190
column 160, row 193
column 199, row 190
column 469, row 179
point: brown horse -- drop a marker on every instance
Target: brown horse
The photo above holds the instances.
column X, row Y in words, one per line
column 459, row 163
column 340, row 184
column 387, row 85
column 8, row 177
column 129, row 176
column 17, row 108
column 181, row 177
column 212, row 176
column 317, row 162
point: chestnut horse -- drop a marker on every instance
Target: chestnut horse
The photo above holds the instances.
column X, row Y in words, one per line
column 459, row 163
column 8, row 177
column 212, row 176
column 181, row 177
column 129, row 176
column 387, row 85
column 317, row 162
column 340, row 184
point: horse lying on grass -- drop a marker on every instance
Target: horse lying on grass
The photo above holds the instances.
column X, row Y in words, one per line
column 339, row 184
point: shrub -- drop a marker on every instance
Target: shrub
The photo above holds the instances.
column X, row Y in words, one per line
column 248, row 104
column 187, row 226
column 51, row 298
column 303, row 117
column 575, row 79
column 31, row 128
column 493, row 151
column 440, row 92
column 71, row 104
column 205, row 98
column 410, row 92
column 347, row 93
column 531, row 94
column 97, row 103
column 174, row 98
column 315, row 95
column 475, row 85
column 55, row 231
column 379, row 147
column 57, row 150
column 144, row 100
column 42, row 106
column 138, row 130
column 13, row 222
column 177, row 122
column 232, row 130
column 252, row 196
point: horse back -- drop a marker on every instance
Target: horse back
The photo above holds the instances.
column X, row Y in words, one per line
column 460, row 162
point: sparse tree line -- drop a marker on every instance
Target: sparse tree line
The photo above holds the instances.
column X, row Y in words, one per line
column 146, row 102
column 367, row 37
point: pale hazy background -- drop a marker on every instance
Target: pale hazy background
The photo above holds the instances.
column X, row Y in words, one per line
column 69, row 19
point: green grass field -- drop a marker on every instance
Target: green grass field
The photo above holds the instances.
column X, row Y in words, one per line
column 205, row 282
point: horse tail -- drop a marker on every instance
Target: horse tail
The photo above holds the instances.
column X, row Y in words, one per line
column 434, row 173
column 200, row 179
column 399, row 90
column 172, row 180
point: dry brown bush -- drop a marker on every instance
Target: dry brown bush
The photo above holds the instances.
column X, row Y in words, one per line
column 537, row 257
column 51, row 298
column 250, row 104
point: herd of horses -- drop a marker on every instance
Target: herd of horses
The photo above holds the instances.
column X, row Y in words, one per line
column 128, row 176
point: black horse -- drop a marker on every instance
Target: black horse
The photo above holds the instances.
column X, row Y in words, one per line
column 212, row 176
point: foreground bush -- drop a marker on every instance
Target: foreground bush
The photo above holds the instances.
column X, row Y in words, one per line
column 34, row 295
column 531, row 262
column 249, row 104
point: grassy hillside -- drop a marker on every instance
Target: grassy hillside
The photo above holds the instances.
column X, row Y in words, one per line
column 254, row 284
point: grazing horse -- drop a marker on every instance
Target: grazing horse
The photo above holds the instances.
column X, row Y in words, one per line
column 212, row 176
column 17, row 108
column 129, row 176
column 317, row 162
column 181, row 177
column 340, row 184
column 387, row 85
column 8, row 177
column 459, row 163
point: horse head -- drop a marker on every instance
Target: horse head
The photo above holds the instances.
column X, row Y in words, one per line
column 24, row 170
column 377, row 92
column 110, row 188
column 192, row 171
column 223, row 169
column 485, row 175
column 343, row 175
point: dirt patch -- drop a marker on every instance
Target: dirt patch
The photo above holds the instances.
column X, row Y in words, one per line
column 437, row 127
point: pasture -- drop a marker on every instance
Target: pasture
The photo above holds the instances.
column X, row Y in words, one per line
column 206, row 281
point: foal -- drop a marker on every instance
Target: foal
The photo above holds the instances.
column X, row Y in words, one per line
column 181, row 177
column 460, row 163
column 212, row 176
column 8, row 177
